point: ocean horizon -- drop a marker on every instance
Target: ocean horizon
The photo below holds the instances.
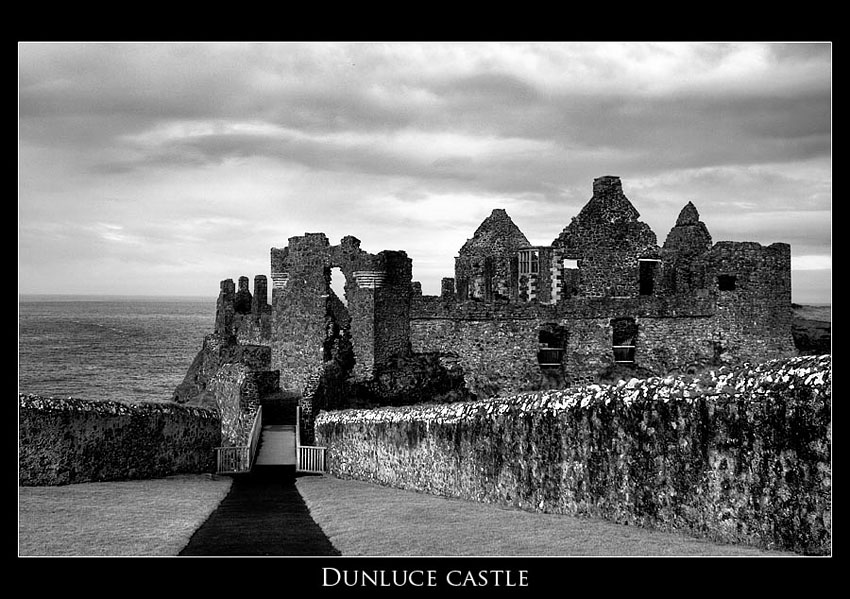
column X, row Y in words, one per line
column 129, row 348
column 109, row 347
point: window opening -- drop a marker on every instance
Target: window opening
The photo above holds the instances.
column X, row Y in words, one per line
column 726, row 282
column 571, row 277
column 337, row 283
column 623, row 341
column 550, row 348
column 529, row 262
column 646, row 277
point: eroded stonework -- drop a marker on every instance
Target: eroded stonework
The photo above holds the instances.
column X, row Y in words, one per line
column 602, row 302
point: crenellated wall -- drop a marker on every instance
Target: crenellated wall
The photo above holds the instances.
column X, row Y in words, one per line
column 66, row 441
column 739, row 456
column 244, row 316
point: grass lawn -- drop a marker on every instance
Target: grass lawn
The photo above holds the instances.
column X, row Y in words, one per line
column 124, row 518
column 363, row 519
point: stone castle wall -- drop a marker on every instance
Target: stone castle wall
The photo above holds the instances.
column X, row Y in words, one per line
column 309, row 321
column 739, row 456
column 607, row 239
column 217, row 351
column 68, row 441
column 497, row 343
column 236, row 391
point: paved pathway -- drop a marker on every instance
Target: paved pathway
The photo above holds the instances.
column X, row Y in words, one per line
column 263, row 514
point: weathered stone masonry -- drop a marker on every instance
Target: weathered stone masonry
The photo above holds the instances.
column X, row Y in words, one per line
column 66, row 441
column 692, row 305
column 603, row 302
column 740, row 456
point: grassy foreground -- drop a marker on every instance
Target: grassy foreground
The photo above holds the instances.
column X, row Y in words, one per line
column 158, row 517
column 127, row 518
column 363, row 519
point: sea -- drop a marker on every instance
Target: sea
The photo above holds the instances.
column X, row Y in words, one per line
column 119, row 348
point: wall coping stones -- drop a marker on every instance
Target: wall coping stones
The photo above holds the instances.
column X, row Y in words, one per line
column 31, row 401
column 756, row 382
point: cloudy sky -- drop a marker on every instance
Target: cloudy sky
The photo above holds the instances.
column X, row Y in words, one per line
column 160, row 169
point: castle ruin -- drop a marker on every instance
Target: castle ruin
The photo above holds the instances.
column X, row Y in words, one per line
column 603, row 301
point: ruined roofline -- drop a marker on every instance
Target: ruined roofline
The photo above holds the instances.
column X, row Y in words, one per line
column 776, row 245
column 498, row 227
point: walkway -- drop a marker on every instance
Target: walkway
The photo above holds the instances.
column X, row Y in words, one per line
column 263, row 514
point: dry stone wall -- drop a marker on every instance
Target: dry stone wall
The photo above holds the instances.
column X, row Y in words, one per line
column 66, row 441
column 739, row 456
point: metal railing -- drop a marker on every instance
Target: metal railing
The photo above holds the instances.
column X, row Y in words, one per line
column 308, row 458
column 240, row 458
column 230, row 460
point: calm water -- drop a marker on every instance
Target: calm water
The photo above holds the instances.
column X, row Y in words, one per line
column 122, row 348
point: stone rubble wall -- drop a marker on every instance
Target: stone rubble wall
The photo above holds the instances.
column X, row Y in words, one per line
column 737, row 456
column 217, row 351
column 69, row 441
column 497, row 343
column 237, row 392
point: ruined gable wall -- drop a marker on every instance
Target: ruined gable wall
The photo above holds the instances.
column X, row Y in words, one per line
column 686, row 242
column 607, row 239
column 486, row 265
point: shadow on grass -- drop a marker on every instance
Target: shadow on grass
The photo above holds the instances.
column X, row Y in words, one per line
column 264, row 514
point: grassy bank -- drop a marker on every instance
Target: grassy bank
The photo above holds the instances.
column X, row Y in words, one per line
column 130, row 518
column 364, row 519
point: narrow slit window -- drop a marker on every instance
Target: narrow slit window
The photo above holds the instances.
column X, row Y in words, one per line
column 571, row 278
column 646, row 275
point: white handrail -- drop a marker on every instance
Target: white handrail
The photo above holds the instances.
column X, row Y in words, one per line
column 256, row 430
column 240, row 458
column 308, row 458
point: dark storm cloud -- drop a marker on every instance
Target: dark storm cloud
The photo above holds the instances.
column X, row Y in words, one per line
column 128, row 88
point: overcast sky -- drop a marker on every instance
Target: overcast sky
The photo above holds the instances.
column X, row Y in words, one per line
column 160, row 169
